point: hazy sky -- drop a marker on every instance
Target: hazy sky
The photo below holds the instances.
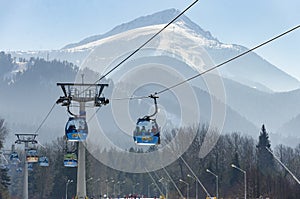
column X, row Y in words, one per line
column 51, row 24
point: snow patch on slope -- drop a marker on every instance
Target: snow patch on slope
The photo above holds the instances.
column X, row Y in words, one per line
column 19, row 68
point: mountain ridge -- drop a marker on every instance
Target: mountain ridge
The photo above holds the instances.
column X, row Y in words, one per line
column 250, row 70
column 162, row 17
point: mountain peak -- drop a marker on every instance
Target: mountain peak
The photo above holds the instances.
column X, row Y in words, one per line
column 162, row 17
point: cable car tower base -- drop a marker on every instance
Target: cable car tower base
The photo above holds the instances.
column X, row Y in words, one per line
column 82, row 94
column 25, row 138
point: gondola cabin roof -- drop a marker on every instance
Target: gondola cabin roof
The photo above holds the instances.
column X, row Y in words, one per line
column 43, row 161
column 14, row 158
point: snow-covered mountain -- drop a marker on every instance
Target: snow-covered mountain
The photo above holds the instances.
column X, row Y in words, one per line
column 250, row 70
column 249, row 82
column 162, row 17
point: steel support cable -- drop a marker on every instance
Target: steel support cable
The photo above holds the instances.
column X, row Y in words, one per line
column 143, row 45
column 283, row 165
column 130, row 55
column 150, row 39
column 94, row 114
column 176, row 187
column 157, row 186
column 216, row 66
column 44, row 120
column 128, row 98
column 189, row 79
column 229, row 60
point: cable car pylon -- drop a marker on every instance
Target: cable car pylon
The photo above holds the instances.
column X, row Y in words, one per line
column 76, row 127
column 26, row 139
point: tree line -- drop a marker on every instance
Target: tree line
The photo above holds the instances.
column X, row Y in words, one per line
column 265, row 177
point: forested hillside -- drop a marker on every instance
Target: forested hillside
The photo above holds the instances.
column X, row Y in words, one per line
column 265, row 177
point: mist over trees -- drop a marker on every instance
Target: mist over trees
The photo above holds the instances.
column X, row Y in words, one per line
column 243, row 151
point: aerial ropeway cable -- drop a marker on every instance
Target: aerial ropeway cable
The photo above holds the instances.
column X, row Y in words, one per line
column 179, row 83
column 141, row 138
column 144, row 44
column 212, row 68
column 229, row 60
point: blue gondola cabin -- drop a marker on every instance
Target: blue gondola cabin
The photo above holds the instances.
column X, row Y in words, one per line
column 43, row 161
column 146, row 132
column 32, row 156
column 70, row 160
column 14, row 158
column 76, row 129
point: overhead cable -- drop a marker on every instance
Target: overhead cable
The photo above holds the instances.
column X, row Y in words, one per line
column 229, row 60
column 44, row 120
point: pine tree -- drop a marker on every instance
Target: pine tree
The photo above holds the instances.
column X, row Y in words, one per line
column 265, row 159
column 265, row 163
